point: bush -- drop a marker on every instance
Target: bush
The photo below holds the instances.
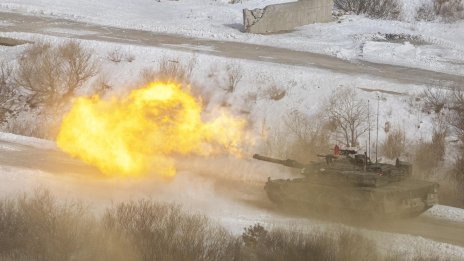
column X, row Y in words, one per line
column 280, row 244
column 8, row 96
column 53, row 74
column 449, row 10
column 388, row 9
column 170, row 70
column 311, row 135
column 457, row 175
column 429, row 154
column 38, row 227
column 118, row 56
column 164, row 232
column 394, row 145
column 234, row 76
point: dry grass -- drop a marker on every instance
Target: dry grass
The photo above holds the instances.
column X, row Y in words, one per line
column 395, row 144
column 39, row 227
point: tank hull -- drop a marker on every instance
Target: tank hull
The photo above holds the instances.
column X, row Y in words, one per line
column 406, row 198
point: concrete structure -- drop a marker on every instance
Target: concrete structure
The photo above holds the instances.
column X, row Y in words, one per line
column 287, row 16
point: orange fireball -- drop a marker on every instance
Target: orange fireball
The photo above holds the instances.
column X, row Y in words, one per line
column 137, row 134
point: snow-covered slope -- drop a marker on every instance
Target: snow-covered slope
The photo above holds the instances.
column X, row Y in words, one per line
column 430, row 45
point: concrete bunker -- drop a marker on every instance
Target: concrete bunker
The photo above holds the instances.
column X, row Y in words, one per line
column 287, row 16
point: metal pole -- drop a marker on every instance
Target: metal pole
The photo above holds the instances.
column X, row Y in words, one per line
column 369, row 123
column 377, row 139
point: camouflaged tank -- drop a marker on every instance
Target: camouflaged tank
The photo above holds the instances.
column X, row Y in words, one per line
column 350, row 182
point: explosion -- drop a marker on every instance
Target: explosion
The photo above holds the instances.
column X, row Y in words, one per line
column 139, row 133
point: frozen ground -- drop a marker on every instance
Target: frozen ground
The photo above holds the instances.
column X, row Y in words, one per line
column 430, row 45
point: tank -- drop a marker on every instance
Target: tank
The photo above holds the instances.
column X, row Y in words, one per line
column 350, row 182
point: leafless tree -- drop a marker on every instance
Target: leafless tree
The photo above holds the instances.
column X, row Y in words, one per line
column 52, row 74
column 435, row 99
column 310, row 132
column 348, row 113
column 234, row 76
column 7, row 91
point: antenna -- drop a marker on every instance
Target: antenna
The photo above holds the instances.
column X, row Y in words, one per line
column 377, row 139
column 369, row 123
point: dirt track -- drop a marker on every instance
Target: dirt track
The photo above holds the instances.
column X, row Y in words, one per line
column 78, row 30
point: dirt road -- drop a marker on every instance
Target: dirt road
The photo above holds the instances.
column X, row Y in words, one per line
column 14, row 22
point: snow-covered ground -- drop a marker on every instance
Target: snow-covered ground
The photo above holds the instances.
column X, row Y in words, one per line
column 429, row 45
column 305, row 90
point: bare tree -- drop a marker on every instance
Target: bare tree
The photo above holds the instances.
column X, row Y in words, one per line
column 348, row 113
column 435, row 99
column 52, row 74
column 234, row 76
column 7, row 91
column 310, row 132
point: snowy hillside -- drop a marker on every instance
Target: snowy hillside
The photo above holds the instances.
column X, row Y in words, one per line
column 430, row 45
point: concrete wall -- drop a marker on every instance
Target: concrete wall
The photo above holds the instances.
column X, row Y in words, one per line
column 287, row 16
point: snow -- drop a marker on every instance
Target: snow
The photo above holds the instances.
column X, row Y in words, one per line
column 442, row 51
column 446, row 213
column 440, row 48
column 23, row 140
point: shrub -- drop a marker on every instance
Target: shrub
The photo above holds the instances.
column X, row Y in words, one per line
column 457, row 175
column 429, row 154
column 234, row 76
column 8, row 96
column 53, row 74
column 38, row 227
column 163, row 232
column 170, row 70
column 389, row 9
column 296, row 244
column 449, row 10
column 118, row 56
column 310, row 132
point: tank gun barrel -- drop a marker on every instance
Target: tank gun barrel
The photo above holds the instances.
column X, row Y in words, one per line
column 288, row 162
